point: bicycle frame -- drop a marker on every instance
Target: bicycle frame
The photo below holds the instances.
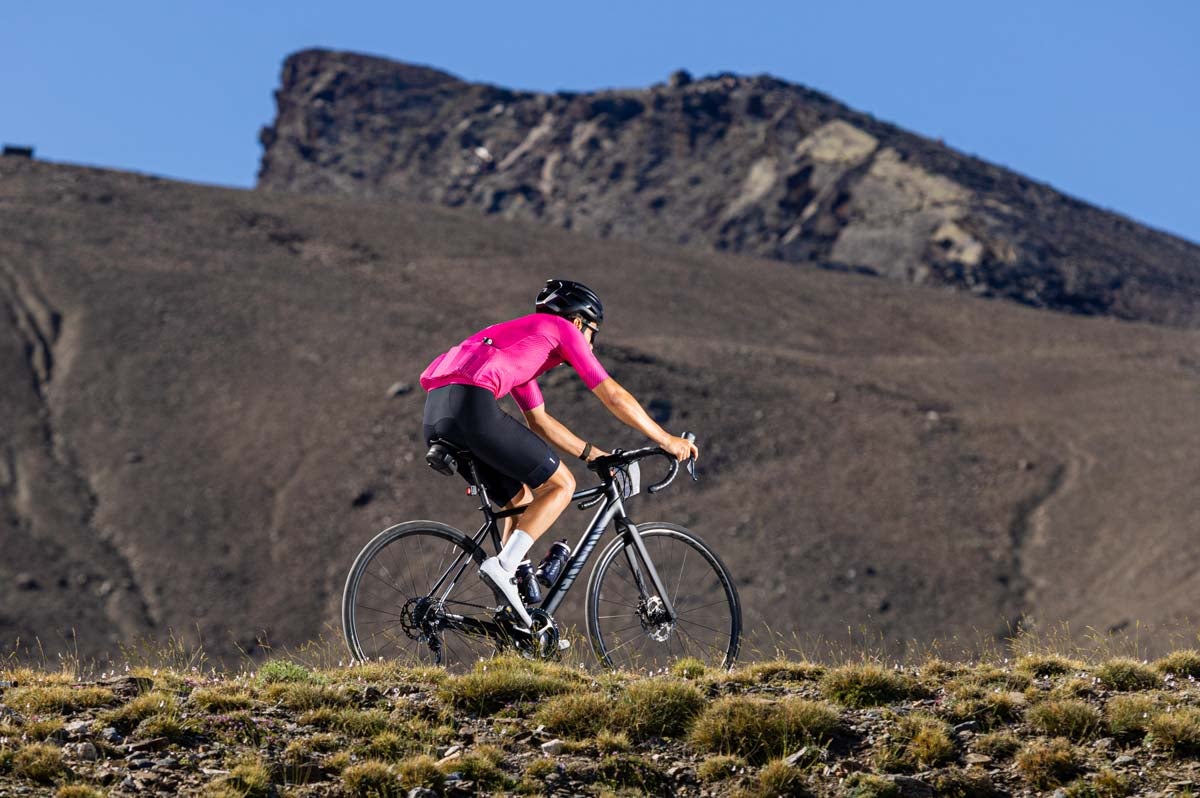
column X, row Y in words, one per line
column 611, row 510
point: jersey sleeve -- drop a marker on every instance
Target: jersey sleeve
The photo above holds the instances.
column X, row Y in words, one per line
column 528, row 396
column 574, row 348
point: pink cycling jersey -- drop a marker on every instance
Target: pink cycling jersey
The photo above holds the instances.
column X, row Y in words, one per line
column 510, row 356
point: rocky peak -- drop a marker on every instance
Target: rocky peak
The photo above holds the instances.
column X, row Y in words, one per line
column 746, row 164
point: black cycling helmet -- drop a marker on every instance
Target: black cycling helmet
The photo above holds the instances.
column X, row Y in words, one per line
column 568, row 298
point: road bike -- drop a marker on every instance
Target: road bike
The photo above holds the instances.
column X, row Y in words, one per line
column 657, row 592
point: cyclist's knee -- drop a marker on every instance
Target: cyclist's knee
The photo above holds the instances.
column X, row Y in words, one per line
column 561, row 481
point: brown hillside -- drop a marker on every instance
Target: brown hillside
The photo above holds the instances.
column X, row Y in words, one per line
column 752, row 165
column 197, row 431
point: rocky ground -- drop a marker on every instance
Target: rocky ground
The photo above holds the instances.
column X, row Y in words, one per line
column 1033, row 724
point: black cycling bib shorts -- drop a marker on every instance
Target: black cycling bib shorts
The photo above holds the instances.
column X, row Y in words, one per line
column 507, row 453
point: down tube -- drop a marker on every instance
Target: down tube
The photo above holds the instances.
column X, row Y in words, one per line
column 584, row 550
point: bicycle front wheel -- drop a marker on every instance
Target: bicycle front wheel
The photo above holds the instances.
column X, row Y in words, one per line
column 391, row 611
column 626, row 617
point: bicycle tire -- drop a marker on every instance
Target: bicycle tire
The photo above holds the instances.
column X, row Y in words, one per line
column 621, row 632
column 375, row 597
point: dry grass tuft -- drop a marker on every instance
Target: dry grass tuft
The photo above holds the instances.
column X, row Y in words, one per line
column 688, row 668
column 987, row 707
column 1043, row 665
column 220, row 699
column 57, row 698
column 1123, row 673
column 495, row 683
column 1184, row 663
column 759, row 730
column 1105, row 784
column 1076, row 720
column 576, row 715
column 420, row 771
column 868, row 785
column 997, row 745
column 1176, row 731
column 657, row 708
column 1128, row 716
column 916, row 741
column 354, row 722
column 77, row 791
column 1046, row 765
column 720, row 767
column 372, row 779
column 778, row 778
column 867, row 685
column 126, row 717
column 250, row 778
column 39, row 762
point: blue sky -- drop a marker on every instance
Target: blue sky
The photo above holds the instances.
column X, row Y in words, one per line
column 1099, row 99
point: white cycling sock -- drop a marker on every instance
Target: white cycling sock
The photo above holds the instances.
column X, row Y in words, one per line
column 515, row 549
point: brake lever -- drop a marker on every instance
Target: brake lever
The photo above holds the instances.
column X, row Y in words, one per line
column 690, row 437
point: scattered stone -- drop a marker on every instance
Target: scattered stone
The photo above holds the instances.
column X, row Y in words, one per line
column 133, row 456
column 1123, row 760
column 110, row 735
column 969, row 725
column 552, row 747
column 85, row 751
column 166, row 762
column 27, row 582
column 422, row 792
column 1024, row 465
column 141, row 763
column 399, row 389
column 977, row 759
column 797, row 758
column 912, row 787
column 832, row 397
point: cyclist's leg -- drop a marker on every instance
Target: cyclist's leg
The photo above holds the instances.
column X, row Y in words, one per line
column 524, row 496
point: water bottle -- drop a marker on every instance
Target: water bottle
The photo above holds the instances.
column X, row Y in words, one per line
column 551, row 567
column 527, row 586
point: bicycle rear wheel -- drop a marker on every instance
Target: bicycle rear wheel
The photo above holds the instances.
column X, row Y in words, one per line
column 626, row 618
column 389, row 610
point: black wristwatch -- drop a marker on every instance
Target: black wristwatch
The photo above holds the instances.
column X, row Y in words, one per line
column 586, row 451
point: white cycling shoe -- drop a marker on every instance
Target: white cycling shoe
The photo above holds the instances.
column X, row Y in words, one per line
column 504, row 584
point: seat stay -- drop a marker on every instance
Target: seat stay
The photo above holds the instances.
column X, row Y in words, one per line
column 464, row 558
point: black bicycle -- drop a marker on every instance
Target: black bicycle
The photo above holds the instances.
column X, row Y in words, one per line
column 657, row 592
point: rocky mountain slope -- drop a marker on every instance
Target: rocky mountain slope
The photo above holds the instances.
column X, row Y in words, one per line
column 738, row 164
column 207, row 408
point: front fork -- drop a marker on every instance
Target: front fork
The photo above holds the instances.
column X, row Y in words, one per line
column 635, row 551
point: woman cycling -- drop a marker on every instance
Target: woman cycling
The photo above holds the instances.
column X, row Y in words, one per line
column 515, row 462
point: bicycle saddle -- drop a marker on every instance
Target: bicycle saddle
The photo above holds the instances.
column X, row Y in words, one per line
column 443, row 456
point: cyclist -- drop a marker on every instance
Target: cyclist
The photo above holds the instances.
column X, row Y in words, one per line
column 516, row 463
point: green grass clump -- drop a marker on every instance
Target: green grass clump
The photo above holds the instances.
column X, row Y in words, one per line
column 217, row 700
column 1105, row 784
column 300, row 696
column 576, row 715
column 1049, row 764
column 278, row 671
column 1128, row 716
column 495, row 683
column 657, row 708
column 1182, row 663
column 997, row 745
column 720, row 767
column 992, row 676
column 1076, row 720
column 778, row 778
column 868, row 785
column 420, row 771
column 354, row 722
column 1122, row 673
column 916, row 742
column 1042, row 665
column 760, row 730
column 33, row 731
column 164, row 725
column 373, row 779
column 1176, row 732
column 57, row 698
column 39, row 762
column 955, row 783
column 867, row 685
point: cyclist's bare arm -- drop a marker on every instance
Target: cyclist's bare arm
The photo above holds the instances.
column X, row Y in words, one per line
column 621, row 404
column 554, row 431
